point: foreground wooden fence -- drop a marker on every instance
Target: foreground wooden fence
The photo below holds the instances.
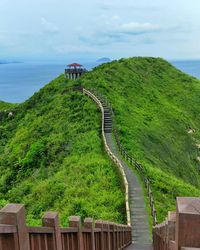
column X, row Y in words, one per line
column 181, row 230
column 15, row 235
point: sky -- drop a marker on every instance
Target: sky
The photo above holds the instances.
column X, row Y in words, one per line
column 54, row 30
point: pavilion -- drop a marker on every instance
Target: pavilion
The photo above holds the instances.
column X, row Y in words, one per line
column 74, row 71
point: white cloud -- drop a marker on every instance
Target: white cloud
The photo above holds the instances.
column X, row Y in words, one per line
column 48, row 26
column 67, row 48
column 137, row 28
column 114, row 31
column 116, row 17
column 105, row 26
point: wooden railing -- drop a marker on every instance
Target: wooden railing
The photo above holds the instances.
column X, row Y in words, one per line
column 140, row 169
column 164, row 233
column 181, row 230
column 99, row 235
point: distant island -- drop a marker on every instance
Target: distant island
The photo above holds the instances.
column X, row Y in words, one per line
column 9, row 62
column 104, row 60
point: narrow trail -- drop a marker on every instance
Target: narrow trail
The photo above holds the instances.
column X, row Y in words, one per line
column 138, row 213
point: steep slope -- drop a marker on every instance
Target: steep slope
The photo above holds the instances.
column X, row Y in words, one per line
column 52, row 158
column 157, row 116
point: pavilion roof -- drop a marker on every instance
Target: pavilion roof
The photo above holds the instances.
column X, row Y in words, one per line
column 75, row 65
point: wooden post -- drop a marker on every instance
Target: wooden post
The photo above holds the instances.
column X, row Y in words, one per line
column 88, row 223
column 187, row 222
column 121, row 235
column 105, row 235
column 126, row 236
column 75, row 221
column 130, row 235
column 107, row 227
column 171, row 226
column 51, row 219
column 99, row 224
column 14, row 214
column 117, row 237
column 112, row 229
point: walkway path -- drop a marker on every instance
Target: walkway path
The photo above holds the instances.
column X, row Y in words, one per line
column 139, row 217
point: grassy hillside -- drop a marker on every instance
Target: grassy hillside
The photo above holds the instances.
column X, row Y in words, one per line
column 5, row 106
column 52, row 158
column 157, row 116
column 51, row 152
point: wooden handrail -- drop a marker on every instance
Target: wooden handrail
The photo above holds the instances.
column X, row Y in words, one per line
column 89, row 235
column 7, row 229
column 113, row 157
column 130, row 159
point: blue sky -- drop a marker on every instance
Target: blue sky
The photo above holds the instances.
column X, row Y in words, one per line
column 89, row 29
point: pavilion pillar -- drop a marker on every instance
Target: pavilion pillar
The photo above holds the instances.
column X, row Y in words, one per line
column 74, row 71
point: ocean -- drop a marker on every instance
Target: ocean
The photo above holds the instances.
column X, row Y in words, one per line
column 190, row 67
column 19, row 81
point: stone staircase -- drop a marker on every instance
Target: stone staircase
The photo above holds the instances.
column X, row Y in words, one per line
column 141, row 235
column 107, row 119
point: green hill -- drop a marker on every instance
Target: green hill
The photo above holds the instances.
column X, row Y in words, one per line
column 52, row 158
column 157, row 111
column 51, row 152
column 5, row 105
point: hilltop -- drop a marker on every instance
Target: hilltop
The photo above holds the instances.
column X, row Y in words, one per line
column 51, row 149
column 156, row 110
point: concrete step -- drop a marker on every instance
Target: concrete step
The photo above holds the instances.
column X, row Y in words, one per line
column 139, row 217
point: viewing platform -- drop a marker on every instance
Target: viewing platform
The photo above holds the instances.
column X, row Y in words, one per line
column 74, row 71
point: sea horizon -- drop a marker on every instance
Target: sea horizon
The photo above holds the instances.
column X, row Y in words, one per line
column 19, row 81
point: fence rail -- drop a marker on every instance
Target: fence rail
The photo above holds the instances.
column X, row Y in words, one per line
column 140, row 169
column 98, row 235
column 130, row 159
column 181, row 229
